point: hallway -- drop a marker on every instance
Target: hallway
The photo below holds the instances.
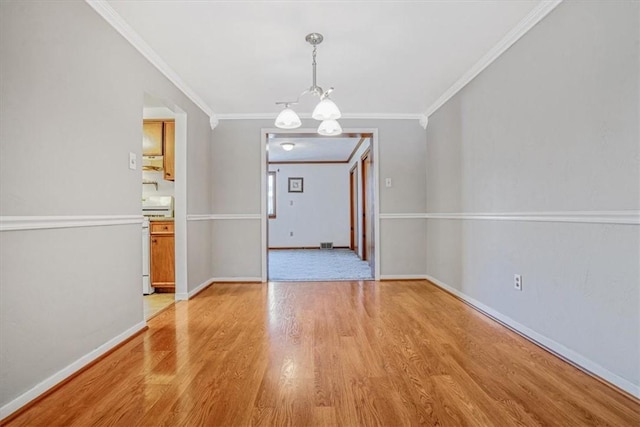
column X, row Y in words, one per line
column 305, row 265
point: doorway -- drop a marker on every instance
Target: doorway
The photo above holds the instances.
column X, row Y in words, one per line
column 302, row 192
column 162, row 181
column 368, row 242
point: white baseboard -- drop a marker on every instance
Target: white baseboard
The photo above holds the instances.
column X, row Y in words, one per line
column 201, row 287
column 181, row 296
column 403, row 277
column 237, row 279
column 560, row 350
column 65, row 373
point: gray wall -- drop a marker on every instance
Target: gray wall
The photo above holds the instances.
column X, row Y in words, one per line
column 550, row 126
column 71, row 111
column 236, row 191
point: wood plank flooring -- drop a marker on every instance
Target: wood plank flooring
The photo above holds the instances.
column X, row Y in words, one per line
column 333, row 354
column 156, row 303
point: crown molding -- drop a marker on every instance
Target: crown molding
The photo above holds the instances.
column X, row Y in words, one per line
column 103, row 8
column 371, row 116
column 528, row 22
column 422, row 118
column 214, row 121
column 424, row 121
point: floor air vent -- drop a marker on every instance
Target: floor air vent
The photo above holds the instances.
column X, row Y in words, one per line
column 326, row 245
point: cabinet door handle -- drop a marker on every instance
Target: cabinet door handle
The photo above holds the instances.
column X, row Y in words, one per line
column 165, row 228
column 154, row 241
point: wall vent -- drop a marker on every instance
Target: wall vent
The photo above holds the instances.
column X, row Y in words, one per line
column 326, row 245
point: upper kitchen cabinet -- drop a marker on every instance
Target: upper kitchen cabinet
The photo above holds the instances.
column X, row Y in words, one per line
column 169, row 150
column 159, row 141
column 152, row 138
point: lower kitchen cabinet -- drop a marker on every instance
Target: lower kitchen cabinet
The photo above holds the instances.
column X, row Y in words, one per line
column 163, row 276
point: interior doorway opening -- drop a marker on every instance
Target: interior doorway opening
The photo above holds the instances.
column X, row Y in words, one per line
column 164, row 191
column 312, row 207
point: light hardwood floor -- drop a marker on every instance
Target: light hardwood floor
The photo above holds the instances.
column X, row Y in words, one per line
column 333, row 353
column 156, row 303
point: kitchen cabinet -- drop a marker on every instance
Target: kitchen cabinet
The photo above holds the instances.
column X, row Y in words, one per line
column 152, row 138
column 159, row 138
column 169, row 150
column 162, row 256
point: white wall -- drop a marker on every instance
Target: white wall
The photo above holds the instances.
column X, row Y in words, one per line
column 69, row 293
column 550, row 127
column 165, row 188
column 319, row 214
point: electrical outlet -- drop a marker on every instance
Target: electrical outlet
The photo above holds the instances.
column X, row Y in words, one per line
column 387, row 182
column 517, row 282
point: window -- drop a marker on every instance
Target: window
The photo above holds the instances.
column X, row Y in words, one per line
column 271, row 194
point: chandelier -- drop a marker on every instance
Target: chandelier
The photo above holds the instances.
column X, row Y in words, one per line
column 326, row 111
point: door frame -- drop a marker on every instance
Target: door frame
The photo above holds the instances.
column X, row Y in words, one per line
column 180, row 194
column 363, row 199
column 264, row 225
column 353, row 209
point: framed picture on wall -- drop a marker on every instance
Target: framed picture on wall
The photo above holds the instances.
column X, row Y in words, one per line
column 295, row 185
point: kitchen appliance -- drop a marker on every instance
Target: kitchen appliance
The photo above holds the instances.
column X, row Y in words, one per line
column 146, row 260
column 157, row 206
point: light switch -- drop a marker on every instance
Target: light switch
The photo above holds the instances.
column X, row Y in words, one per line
column 387, row 182
column 133, row 163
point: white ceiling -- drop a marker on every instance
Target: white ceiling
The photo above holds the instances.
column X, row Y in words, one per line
column 382, row 57
column 312, row 148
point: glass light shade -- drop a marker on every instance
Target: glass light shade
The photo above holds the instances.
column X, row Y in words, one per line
column 287, row 146
column 329, row 128
column 288, row 119
column 326, row 110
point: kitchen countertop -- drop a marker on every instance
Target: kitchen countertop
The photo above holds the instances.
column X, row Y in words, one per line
column 157, row 218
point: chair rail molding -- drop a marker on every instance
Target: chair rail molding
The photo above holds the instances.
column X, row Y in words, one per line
column 212, row 217
column 630, row 217
column 16, row 223
column 589, row 217
column 402, row 215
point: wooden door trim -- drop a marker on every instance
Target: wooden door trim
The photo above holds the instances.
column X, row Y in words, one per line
column 364, row 187
column 352, row 214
